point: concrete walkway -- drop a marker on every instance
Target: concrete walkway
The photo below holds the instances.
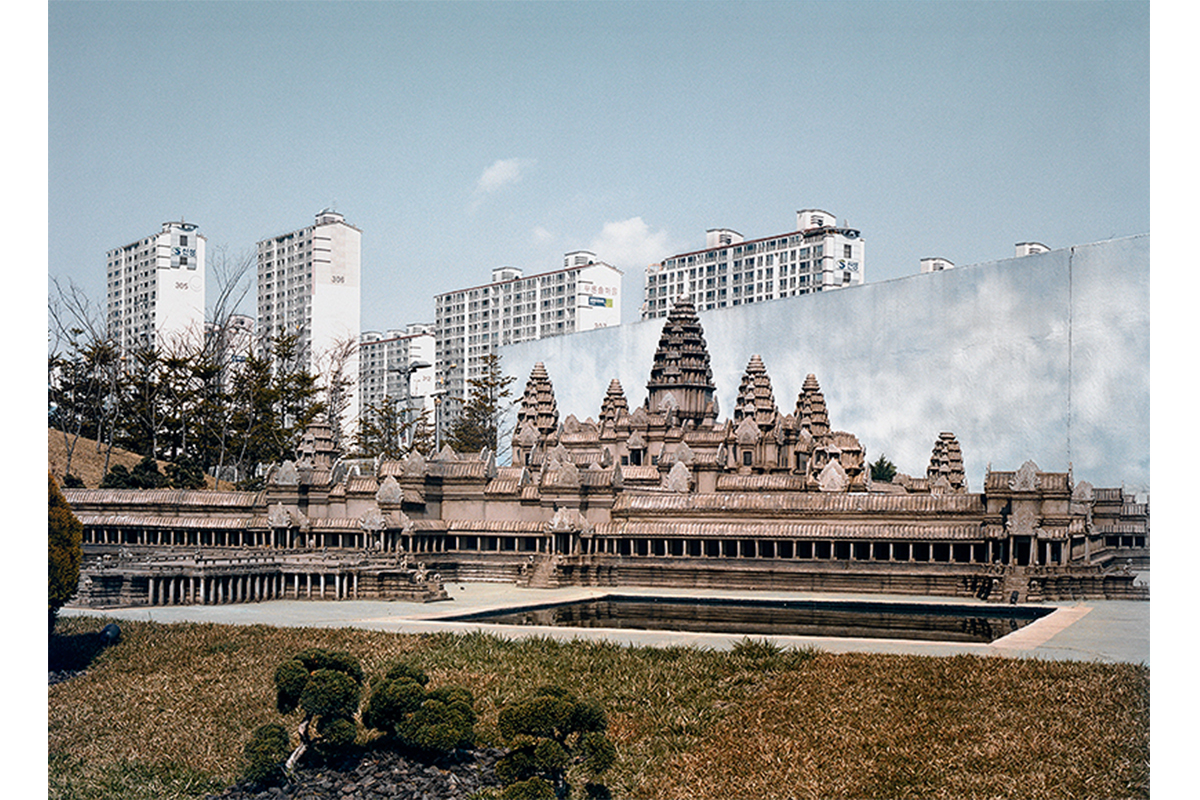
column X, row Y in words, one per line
column 1101, row 630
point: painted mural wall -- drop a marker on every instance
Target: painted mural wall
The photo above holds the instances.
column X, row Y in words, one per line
column 1044, row 357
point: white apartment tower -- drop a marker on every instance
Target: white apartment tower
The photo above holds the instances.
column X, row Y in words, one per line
column 1030, row 249
column 389, row 366
column 308, row 286
column 471, row 323
column 155, row 294
column 730, row 271
column 935, row 265
column 232, row 343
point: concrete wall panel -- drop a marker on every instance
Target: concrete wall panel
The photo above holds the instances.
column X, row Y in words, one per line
column 1044, row 357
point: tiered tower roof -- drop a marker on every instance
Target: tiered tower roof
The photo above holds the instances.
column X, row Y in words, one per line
column 755, row 396
column 811, row 414
column 947, row 460
column 538, row 406
column 681, row 371
column 614, row 403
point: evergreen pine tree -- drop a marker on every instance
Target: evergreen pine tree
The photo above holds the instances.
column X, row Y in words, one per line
column 65, row 535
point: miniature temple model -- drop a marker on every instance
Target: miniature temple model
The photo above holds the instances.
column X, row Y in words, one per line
column 666, row 494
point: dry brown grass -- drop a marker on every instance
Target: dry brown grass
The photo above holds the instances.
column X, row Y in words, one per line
column 166, row 712
column 87, row 462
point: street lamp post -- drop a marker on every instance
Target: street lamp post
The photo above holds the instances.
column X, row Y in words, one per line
column 407, row 371
column 438, row 395
column 437, row 419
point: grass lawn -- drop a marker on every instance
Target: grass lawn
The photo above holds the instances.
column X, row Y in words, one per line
column 165, row 713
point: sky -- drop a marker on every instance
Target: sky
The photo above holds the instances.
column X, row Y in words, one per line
column 463, row 136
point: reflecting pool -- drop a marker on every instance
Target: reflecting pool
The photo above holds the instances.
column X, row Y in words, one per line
column 825, row 618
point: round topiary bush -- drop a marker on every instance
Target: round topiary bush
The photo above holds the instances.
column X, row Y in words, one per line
column 327, row 687
column 531, row 789
column 265, row 753
column 435, row 722
column 552, row 735
column 330, row 694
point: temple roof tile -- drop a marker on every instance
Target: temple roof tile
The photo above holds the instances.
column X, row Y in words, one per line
column 815, row 530
column 366, row 485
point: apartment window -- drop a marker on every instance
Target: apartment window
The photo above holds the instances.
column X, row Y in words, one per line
column 847, row 251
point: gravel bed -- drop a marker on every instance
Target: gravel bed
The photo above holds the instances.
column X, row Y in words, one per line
column 383, row 774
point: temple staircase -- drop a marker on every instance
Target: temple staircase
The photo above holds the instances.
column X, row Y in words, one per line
column 542, row 574
column 1014, row 588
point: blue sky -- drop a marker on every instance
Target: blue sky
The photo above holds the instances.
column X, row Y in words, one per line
column 464, row 136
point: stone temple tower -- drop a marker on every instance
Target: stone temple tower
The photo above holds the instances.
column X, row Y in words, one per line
column 681, row 376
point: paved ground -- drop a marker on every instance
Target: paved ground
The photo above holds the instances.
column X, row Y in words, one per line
column 1105, row 631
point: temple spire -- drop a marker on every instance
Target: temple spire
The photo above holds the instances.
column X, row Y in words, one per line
column 538, row 406
column 681, row 376
column 614, row 403
column 811, row 414
column 755, row 396
column 946, row 460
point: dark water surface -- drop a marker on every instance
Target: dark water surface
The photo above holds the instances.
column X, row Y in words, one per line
column 825, row 618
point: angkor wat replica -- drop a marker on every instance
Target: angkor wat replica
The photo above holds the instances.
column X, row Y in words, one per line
column 666, row 495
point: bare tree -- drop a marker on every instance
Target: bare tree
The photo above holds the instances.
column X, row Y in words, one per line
column 84, row 370
column 335, row 368
column 226, row 346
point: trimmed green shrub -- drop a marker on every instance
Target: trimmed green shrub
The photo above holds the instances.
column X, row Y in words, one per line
column 327, row 687
column 532, row 789
column 265, row 753
column 315, row 658
column 438, row 721
column 552, row 735
column 65, row 551
column 290, row 679
column 402, row 670
column 390, row 701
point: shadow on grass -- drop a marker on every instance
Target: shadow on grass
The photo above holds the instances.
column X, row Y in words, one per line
column 74, row 652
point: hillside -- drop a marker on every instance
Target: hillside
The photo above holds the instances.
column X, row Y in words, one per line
column 87, row 462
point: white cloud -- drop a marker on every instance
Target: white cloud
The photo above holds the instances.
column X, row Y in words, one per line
column 541, row 235
column 501, row 173
column 631, row 245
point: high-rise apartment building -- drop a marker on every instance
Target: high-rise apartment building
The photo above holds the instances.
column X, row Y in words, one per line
column 389, row 365
column 1030, row 249
column 935, row 265
column 155, row 295
column 730, row 271
column 308, row 287
column 472, row 323
column 230, row 342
